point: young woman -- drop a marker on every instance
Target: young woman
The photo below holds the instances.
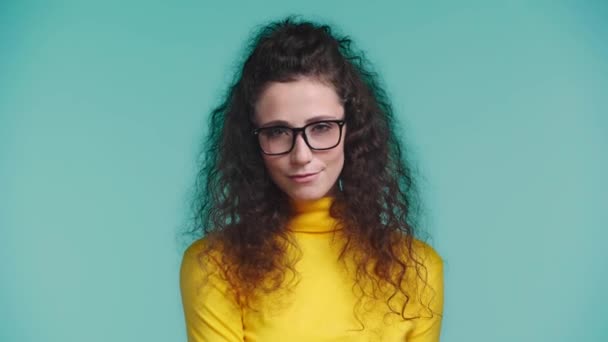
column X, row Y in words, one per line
column 305, row 204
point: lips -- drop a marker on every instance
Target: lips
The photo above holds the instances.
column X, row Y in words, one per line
column 302, row 175
column 304, row 178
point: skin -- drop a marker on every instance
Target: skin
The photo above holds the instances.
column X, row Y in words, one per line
column 297, row 103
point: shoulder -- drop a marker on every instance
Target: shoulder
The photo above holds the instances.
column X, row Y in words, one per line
column 416, row 252
column 425, row 281
column 427, row 262
column 429, row 269
column 190, row 266
column 426, row 254
column 195, row 249
column 193, row 253
column 210, row 309
column 199, row 261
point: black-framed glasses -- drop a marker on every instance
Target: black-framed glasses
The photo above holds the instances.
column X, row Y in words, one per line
column 318, row 135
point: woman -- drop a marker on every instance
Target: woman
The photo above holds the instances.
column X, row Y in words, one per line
column 305, row 205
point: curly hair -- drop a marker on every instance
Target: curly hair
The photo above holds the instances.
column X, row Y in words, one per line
column 243, row 214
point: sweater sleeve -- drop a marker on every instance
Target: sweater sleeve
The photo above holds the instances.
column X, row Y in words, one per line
column 211, row 314
column 428, row 326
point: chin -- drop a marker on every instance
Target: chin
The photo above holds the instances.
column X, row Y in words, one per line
column 307, row 194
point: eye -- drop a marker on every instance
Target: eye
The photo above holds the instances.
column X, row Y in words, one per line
column 322, row 127
column 275, row 132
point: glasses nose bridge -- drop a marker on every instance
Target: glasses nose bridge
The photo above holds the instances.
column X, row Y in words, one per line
column 297, row 130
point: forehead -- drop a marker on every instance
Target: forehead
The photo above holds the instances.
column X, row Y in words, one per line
column 297, row 102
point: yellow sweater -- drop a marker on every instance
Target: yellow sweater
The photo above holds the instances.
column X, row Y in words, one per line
column 320, row 307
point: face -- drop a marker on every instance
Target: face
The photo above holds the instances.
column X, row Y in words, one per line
column 295, row 104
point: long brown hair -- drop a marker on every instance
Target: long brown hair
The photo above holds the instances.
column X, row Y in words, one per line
column 243, row 213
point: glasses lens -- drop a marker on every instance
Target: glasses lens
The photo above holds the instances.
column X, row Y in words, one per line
column 275, row 140
column 323, row 135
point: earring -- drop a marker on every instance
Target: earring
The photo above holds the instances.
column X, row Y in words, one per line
column 340, row 184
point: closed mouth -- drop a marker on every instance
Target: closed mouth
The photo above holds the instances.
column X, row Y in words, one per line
column 303, row 175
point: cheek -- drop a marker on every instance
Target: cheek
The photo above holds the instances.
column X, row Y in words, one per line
column 335, row 159
column 273, row 165
column 340, row 152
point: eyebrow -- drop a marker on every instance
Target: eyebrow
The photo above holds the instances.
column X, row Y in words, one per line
column 313, row 119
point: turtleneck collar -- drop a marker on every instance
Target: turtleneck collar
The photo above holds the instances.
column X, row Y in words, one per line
column 312, row 216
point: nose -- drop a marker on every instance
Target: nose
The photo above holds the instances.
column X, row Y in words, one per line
column 301, row 153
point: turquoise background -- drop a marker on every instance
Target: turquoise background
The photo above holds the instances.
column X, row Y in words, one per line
column 103, row 105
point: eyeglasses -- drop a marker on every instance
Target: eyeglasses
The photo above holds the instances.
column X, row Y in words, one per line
column 319, row 135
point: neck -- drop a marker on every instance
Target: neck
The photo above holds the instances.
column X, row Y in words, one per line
column 312, row 216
